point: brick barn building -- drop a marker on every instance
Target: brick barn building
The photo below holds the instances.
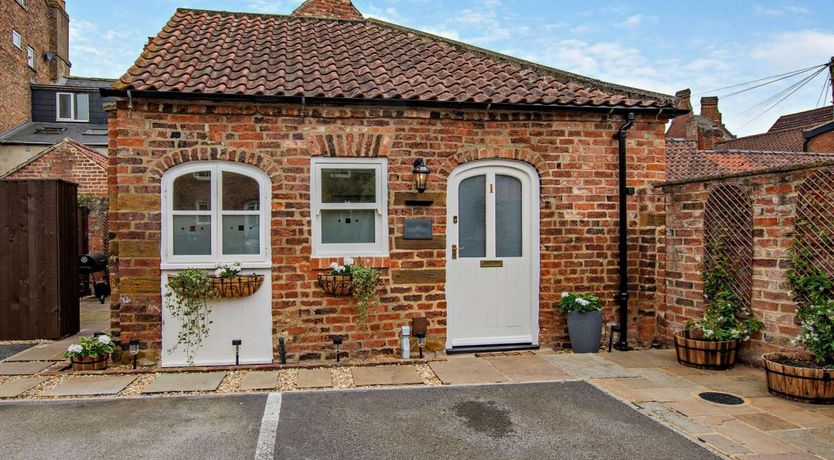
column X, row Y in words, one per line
column 287, row 143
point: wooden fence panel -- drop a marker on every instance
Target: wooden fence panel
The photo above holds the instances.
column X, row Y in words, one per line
column 38, row 259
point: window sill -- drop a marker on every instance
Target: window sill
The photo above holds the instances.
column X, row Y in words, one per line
column 212, row 266
column 323, row 263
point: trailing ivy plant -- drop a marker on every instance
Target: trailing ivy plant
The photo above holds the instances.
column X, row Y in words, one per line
column 187, row 298
column 813, row 291
column 364, row 282
column 724, row 317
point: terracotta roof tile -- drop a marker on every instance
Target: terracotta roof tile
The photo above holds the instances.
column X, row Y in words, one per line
column 804, row 119
column 251, row 54
column 780, row 141
column 685, row 161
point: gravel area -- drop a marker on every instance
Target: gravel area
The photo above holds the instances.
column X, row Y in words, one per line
column 142, row 381
column 428, row 375
column 231, row 382
column 342, row 377
column 287, row 379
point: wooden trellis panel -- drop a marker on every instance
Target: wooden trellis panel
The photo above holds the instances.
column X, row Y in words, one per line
column 728, row 219
column 814, row 225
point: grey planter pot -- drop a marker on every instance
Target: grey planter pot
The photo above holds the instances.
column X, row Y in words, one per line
column 585, row 331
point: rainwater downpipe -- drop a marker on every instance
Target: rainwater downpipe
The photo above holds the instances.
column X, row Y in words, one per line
column 622, row 296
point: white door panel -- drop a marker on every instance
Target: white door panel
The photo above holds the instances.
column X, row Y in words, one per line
column 492, row 254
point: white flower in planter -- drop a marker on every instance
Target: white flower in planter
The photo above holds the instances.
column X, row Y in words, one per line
column 75, row 348
column 104, row 339
column 583, row 302
column 219, row 272
column 565, row 294
column 348, row 261
column 334, row 266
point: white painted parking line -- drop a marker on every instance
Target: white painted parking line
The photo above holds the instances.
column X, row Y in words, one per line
column 269, row 427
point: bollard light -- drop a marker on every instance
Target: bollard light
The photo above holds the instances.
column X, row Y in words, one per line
column 133, row 347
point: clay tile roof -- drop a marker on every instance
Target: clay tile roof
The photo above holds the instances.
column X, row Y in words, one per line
column 223, row 53
column 804, row 119
column 66, row 144
column 333, row 9
column 779, row 141
column 686, row 162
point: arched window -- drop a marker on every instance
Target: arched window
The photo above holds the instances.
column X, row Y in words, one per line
column 728, row 232
column 214, row 213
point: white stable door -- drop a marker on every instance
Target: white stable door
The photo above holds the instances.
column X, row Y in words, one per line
column 492, row 255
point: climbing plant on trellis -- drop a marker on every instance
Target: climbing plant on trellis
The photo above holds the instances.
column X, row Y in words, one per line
column 728, row 227
column 814, row 224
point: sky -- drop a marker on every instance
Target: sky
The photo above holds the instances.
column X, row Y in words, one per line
column 663, row 46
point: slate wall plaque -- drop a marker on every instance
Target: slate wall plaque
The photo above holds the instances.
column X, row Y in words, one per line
column 418, row 229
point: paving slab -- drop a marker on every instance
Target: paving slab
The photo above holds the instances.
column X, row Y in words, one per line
column 656, row 378
column 11, row 349
column 16, row 387
column 800, row 414
column 643, row 358
column 756, row 440
column 701, row 408
column 527, row 368
column 91, row 385
column 254, row 381
column 43, row 352
column 819, row 441
column 622, row 390
column 788, row 456
column 386, row 375
column 766, row 422
column 314, row 378
column 466, row 371
column 23, row 367
column 588, row 366
column 724, row 444
column 740, row 384
column 671, row 394
column 684, row 423
column 185, row 381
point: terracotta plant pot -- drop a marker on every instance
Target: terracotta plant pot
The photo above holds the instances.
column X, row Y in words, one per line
column 236, row 286
column 705, row 354
column 90, row 363
column 341, row 285
column 802, row 384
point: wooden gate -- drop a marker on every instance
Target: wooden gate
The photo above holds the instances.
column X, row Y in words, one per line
column 38, row 259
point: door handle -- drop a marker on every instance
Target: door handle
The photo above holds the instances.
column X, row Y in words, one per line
column 454, row 251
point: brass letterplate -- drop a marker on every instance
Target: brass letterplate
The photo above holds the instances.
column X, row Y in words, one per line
column 492, row 263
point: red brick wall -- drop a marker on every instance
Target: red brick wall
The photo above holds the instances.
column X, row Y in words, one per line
column 37, row 26
column 86, row 167
column 824, row 143
column 773, row 197
column 574, row 154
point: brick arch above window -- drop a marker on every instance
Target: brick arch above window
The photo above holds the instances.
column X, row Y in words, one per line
column 349, row 144
column 493, row 153
column 728, row 221
column 205, row 153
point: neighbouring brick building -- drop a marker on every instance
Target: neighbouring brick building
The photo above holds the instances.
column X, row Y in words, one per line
column 34, row 49
column 317, row 118
column 75, row 162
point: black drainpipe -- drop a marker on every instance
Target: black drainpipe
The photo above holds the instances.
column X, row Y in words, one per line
column 622, row 296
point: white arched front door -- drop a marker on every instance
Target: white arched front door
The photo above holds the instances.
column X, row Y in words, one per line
column 492, row 268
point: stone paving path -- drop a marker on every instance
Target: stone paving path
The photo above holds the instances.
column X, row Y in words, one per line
column 763, row 427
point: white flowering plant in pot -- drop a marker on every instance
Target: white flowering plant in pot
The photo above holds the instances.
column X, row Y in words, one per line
column 91, row 346
column 343, row 269
column 228, row 271
column 582, row 303
column 584, row 312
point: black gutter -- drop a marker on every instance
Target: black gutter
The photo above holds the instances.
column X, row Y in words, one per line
column 174, row 95
column 622, row 296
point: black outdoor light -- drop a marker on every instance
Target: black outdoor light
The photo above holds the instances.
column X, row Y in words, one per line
column 421, row 174
column 133, row 347
column 337, row 342
column 236, row 343
column 419, row 327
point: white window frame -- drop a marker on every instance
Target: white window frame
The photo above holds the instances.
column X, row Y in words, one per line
column 23, row 4
column 216, row 258
column 72, row 97
column 30, row 57
column 377, row 249
column 17, row 40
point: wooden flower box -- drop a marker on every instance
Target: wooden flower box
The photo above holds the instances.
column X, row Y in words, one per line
column 341, row 285
column 705, row 354
column 802, row 384
column 90, row 363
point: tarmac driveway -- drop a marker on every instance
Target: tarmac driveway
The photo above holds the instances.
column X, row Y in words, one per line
column 539, row 420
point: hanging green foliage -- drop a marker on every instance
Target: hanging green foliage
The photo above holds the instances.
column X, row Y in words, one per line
column 187, row 298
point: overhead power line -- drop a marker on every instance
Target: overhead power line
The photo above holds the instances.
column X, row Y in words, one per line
column 786, row 93
column 773, row 78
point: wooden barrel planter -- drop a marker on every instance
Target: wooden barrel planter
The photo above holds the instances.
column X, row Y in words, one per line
column 341, row 285
column 90, row 363
column 802, row 384
column 705, row 354
column 236, row 286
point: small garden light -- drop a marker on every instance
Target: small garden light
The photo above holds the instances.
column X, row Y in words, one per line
column 237, row 343
column 133, row 347
column 419, row 327
column 337, row 342
column 421, row 174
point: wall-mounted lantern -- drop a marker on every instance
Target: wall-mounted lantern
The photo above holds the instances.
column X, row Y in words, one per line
column 421, row 175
